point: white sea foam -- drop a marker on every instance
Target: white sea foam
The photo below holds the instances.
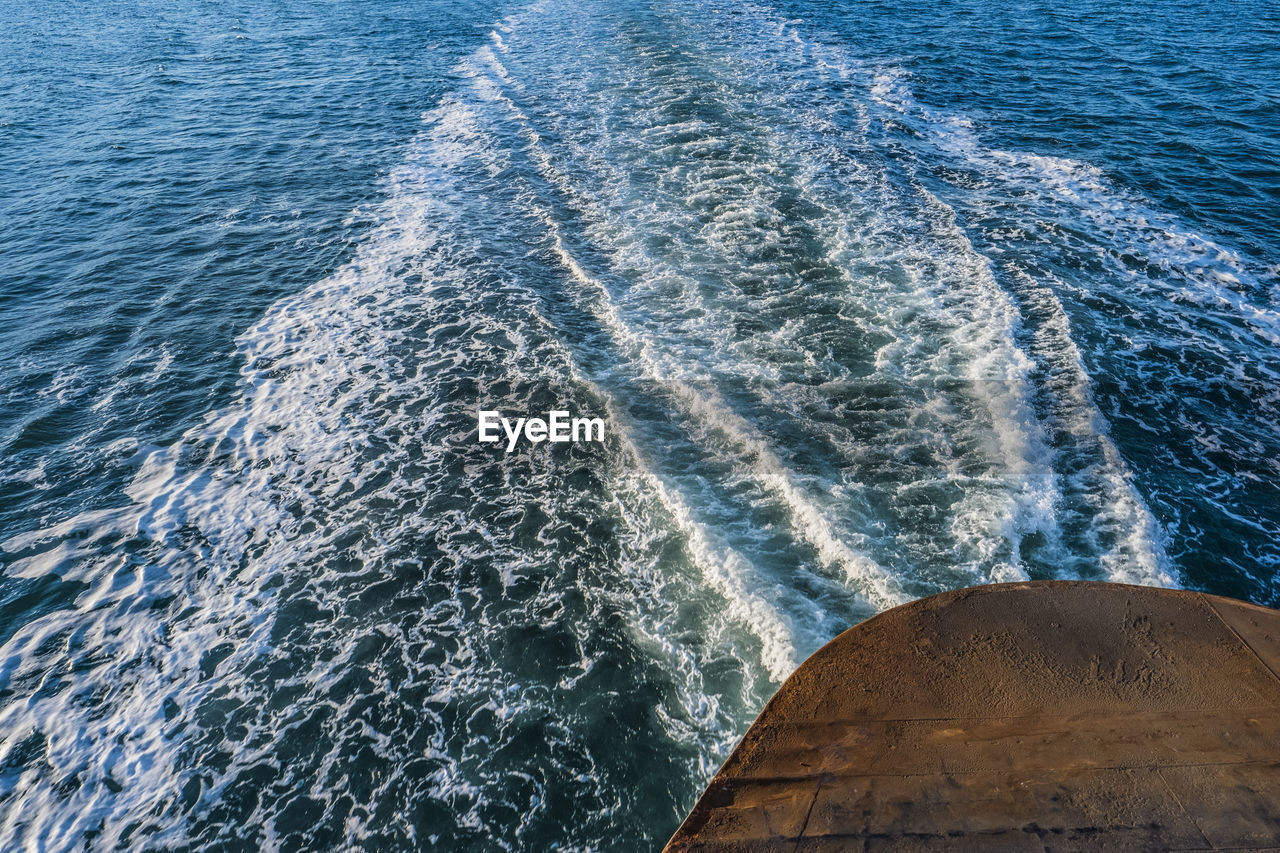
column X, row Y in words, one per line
column 686, row 382
column 687, row 373
column 319, row 368
column 824, row 399
column 1001, row 372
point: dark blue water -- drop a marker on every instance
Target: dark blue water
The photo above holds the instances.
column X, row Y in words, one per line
column 876, row 299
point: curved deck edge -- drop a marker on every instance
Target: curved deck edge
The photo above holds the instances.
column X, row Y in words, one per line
column 1023, row 716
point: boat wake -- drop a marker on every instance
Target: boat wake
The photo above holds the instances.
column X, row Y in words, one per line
column 833, row 380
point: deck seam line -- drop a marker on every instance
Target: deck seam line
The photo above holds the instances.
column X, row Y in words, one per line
column 1242, row 640
column 1183, row 809
column 1065, row 717
column 807, row 815
column 738, row 781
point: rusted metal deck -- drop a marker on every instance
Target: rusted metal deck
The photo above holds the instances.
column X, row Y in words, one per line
column 1031, row 716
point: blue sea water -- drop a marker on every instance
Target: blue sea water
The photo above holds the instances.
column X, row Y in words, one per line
column 877, row 299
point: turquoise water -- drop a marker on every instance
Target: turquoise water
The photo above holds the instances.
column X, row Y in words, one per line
column 876, row 300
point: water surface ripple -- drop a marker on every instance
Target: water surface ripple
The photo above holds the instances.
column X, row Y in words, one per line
column 877, row 301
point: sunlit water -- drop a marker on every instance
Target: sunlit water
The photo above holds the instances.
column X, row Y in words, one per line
column 876, row 300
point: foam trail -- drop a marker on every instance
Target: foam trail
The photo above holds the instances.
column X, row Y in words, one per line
column 850, row 353
column 1134, row 281
column 1137, row 555
column 235, row 505
column 724, row 570
column 714, row 415
column 1001, row 373
column 699, row 402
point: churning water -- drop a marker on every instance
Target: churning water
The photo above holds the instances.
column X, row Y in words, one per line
column 876, row 301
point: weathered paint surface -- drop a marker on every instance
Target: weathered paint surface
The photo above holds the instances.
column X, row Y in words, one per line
column 1029, row 716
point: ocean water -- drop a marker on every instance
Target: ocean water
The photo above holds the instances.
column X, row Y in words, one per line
column 876, row 299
